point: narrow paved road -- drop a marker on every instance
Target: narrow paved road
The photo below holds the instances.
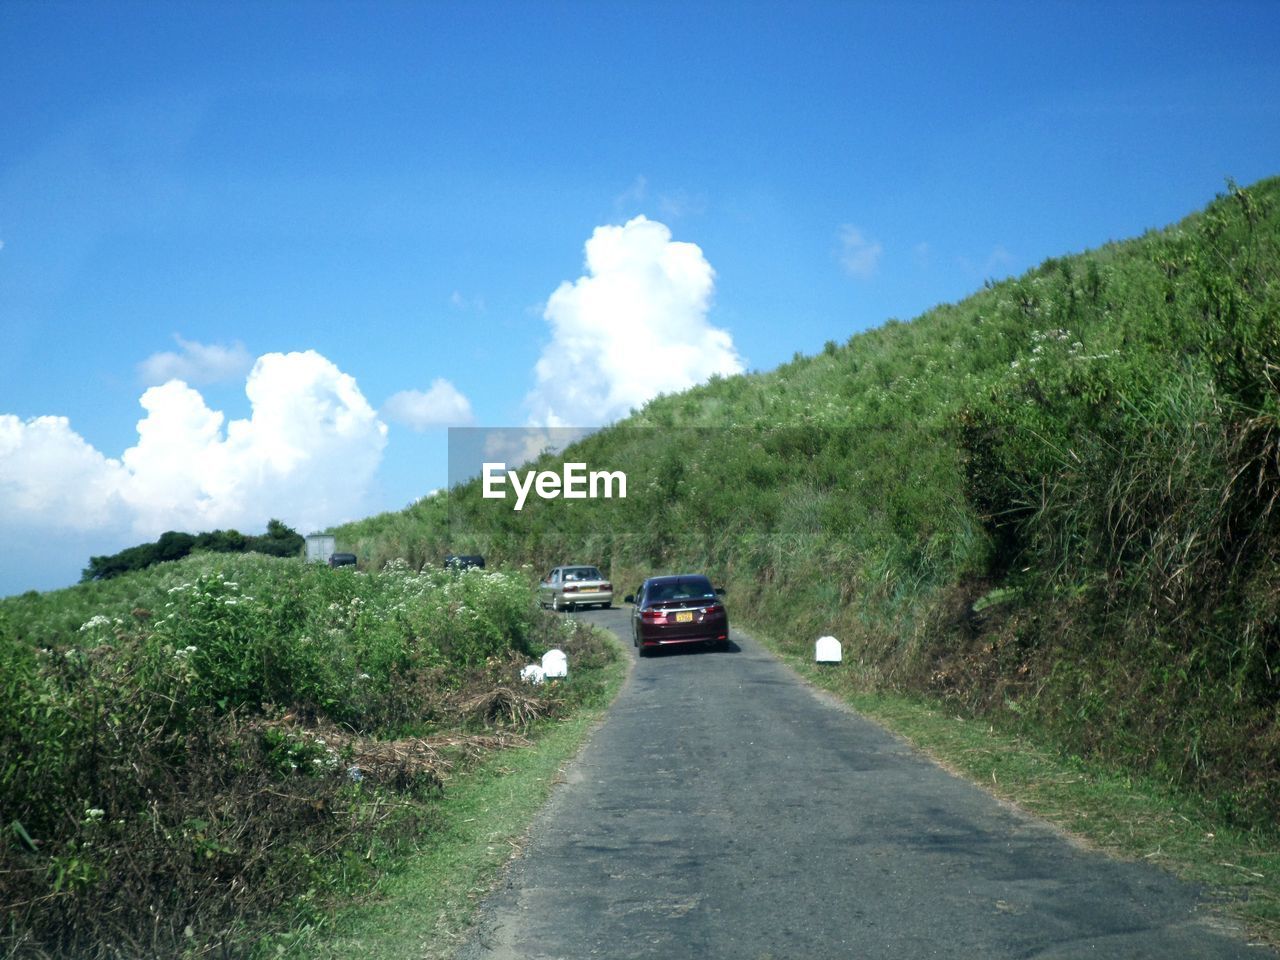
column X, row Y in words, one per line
column 723, row 810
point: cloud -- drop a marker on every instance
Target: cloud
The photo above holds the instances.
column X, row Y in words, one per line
column 196, row 363
column 441, row 406
column 49, row 473
column 859, row 255
column 306, row 455
column 634, row 326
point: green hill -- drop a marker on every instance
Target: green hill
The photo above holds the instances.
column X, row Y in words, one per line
column 1052, row 503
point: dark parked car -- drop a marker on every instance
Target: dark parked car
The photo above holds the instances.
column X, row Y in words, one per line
column 463, row 561
column 672, row 611
column 342, row 559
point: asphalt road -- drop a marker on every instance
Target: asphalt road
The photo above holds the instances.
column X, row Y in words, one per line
column 725, row 810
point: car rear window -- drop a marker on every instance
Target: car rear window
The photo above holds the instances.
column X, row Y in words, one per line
column 687, row 588
column 582, row 573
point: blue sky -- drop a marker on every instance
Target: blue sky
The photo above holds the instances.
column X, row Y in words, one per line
column 384, row 219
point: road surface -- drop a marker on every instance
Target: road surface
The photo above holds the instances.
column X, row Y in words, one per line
column 725, row 810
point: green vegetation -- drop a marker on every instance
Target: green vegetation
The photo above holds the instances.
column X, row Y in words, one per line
column 214, row 749
column 1050, row 507
column 278, row 541
column 423, row 908
column 1051, row 504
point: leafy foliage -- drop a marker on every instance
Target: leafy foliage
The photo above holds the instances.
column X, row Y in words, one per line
column 187, row 749
column 279, row 541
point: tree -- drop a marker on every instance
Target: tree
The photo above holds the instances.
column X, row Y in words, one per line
column 279, row 541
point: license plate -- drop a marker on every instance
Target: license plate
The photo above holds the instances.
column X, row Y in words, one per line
column 684, row 616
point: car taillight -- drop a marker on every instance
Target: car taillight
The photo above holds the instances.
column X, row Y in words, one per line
column 570, row 589
column 607, row 586
column 652, row 616
column 713, row 610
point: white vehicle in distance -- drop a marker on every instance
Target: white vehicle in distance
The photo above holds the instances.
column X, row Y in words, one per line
column 567, row 588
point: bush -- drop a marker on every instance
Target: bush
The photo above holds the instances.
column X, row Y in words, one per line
column 278, row 541
column 163, row 784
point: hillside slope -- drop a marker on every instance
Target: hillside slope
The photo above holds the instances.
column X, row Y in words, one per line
column 1051, row 503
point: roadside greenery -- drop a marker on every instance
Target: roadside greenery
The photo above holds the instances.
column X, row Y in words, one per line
column 212, row 749
column 1051, row 504
column 424, row 907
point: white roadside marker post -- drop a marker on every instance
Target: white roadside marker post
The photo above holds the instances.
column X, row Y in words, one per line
column 555, row 664
column 827, row 650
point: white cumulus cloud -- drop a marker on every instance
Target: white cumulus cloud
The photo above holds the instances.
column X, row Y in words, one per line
column 635, row 325
column 306, row 454
column 443, row 405
column 199, row 363
column 48, row 472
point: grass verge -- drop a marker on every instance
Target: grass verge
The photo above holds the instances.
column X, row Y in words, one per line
column 1125, row 815
column 423, row 908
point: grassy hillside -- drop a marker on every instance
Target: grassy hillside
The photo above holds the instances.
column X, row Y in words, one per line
column 1052, row 503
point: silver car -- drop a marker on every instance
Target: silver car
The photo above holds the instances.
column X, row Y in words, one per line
column 566, row 588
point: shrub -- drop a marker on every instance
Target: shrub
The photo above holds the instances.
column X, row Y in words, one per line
column 162, row 782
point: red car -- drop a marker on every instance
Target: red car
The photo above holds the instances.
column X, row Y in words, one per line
column 683, row 609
